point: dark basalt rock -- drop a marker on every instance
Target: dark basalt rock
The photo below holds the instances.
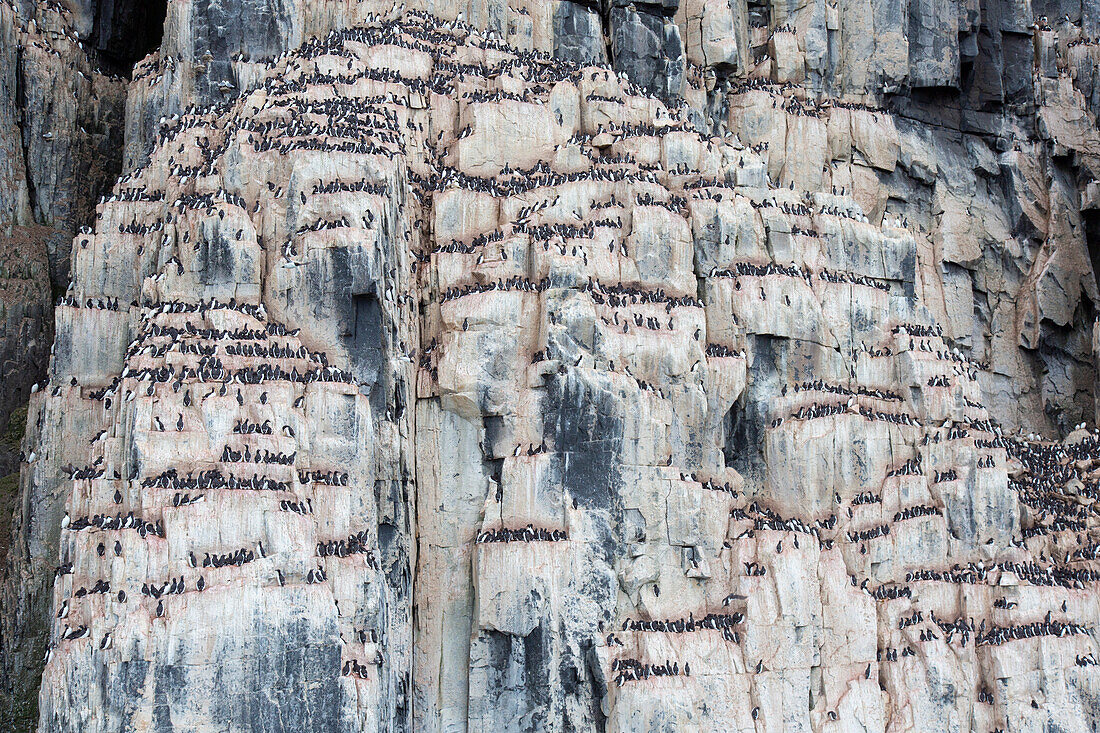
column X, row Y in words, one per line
column 578, row 34
column 647, row 47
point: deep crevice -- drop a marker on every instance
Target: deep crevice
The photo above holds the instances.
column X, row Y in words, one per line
column 1091, row 219
column 21, row 107
column 127, row 31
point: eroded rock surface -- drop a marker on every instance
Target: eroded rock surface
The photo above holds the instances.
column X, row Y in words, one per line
column 415, row 379
column 25, row 322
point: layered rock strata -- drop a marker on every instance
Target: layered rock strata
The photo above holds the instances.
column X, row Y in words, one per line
column 61, row 124
column 61, row 121
column 429, row 383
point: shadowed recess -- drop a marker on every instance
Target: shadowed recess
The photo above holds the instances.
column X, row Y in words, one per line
column 126, row 31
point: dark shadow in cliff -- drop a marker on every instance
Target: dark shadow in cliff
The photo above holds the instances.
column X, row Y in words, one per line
column 366, row 343
column 1091, row 220
column 744, row 424
column 127, row 31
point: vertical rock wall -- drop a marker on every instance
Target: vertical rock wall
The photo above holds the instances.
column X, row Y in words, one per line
column 61, row 139
column 61, row 119
column 606, row 368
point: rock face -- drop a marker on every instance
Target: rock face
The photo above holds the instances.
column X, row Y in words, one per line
column 642, row 367
column 61, row 122
column 25, row 320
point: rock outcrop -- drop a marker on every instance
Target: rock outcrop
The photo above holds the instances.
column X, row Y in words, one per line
column 61, row 125
column 552, row 367
column 61, row 121
column 25, row 321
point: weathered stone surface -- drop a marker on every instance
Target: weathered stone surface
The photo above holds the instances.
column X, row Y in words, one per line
column 648, row 49
column 60, row 124
column 713, row 33
column 14, row 197
column 578, row 33
column 25, row 329
column 487, row 391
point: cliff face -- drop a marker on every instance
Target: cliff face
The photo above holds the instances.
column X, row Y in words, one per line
column 61, row 123
column 550, row 367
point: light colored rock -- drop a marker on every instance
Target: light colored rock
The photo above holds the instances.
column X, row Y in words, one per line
column 684, row 400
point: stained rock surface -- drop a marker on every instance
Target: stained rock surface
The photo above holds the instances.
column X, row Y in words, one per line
column 25, row 321
column 62, row 117
column 550, row 367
